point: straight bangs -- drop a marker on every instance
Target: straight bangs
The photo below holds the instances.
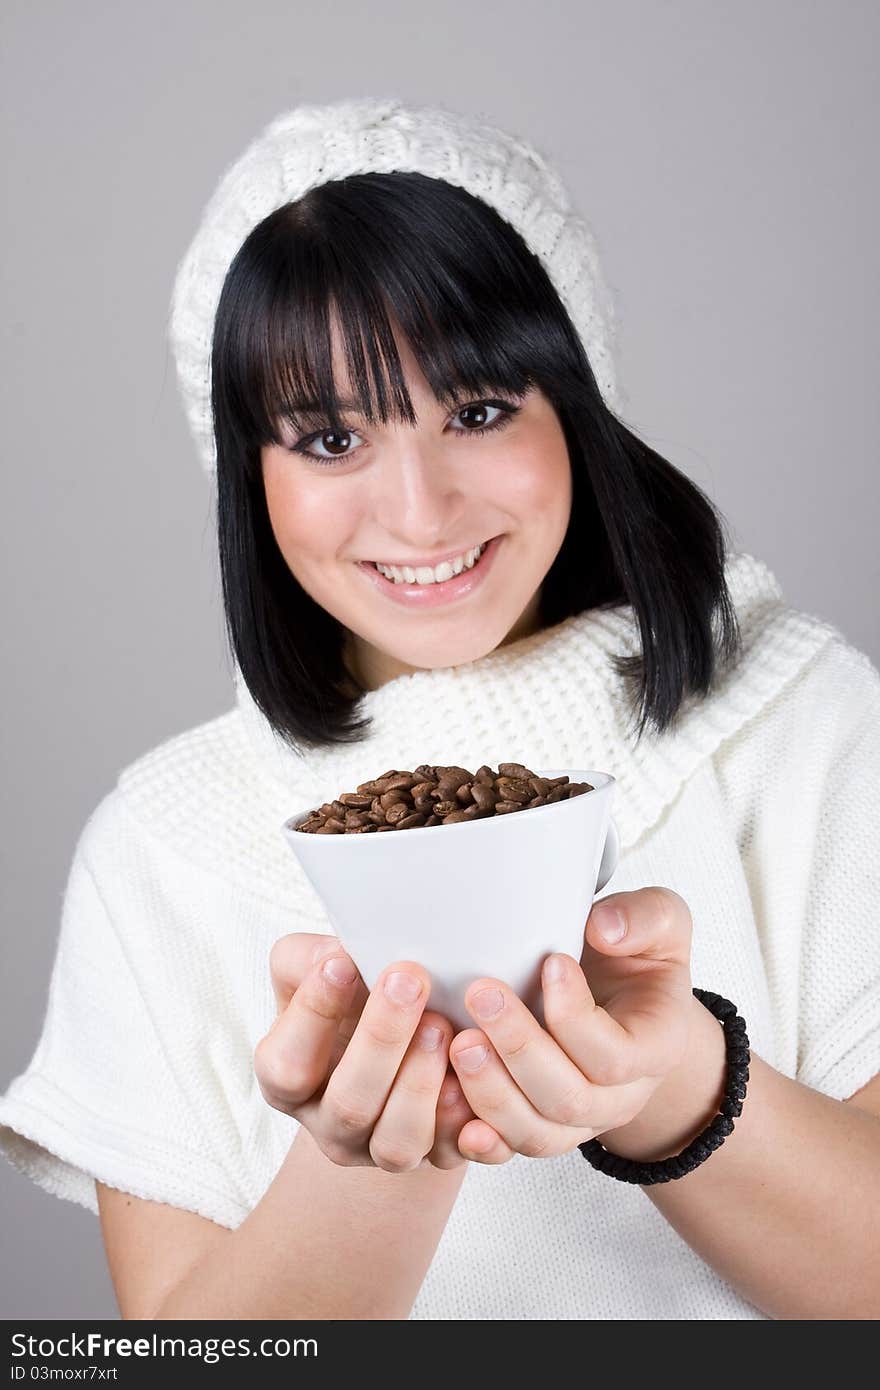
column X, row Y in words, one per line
column 471, row 307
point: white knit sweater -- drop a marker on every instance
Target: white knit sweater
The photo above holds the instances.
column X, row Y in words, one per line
column 762, row 811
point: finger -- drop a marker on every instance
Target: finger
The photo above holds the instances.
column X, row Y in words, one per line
column 404, row 1132
column 292, row 1060
column 292, row 957
column 494, row 1096
column 359, row 1086
column 641, row 1031
column 555, row 1087
column 482, row 1144
column 596, row 1041
column 452, row 1114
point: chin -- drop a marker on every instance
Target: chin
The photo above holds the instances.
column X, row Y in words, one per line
column 457, row 650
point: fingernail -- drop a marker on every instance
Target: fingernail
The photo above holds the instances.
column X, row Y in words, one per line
column 451, row 1096
column 403, row 988
column 340, row 969
column 554, row 969
column 471, row 1057
column 488, row 1002
column 610, row 923
column 430, row 1037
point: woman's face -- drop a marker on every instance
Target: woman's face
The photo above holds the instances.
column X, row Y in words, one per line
column 408, row 495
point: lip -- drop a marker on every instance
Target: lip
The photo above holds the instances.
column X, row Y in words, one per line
column 427, row 564
column 435, row 595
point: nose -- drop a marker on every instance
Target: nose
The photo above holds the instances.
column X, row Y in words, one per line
column 419, row 498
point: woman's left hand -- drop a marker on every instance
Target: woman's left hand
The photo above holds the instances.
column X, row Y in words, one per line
column 616, row 1024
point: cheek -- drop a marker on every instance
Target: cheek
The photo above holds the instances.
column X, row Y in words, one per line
column 535, row 481
column 307, row 518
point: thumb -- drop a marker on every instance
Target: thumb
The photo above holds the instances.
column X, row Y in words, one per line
column 653, row 922
column 292, row 957
column 607, row 924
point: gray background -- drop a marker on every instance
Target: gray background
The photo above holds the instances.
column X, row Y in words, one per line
column 725, row 156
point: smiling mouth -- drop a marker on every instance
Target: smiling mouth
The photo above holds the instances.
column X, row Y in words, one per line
column 466, row 561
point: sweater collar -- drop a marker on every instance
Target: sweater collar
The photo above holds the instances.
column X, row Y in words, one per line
column 553, row 699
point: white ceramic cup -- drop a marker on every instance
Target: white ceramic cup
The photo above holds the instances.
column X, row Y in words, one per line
column 483, row 897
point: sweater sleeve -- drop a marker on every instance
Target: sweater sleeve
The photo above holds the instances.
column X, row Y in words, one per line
column 802, row 784
column 839, row 1030
column 99, row 1098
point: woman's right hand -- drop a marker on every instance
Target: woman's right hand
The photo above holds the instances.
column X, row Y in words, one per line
column 355, row 1066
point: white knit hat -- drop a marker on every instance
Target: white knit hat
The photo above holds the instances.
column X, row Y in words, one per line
column 311, row 145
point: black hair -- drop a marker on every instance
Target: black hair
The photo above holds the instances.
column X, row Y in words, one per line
column 479, row 311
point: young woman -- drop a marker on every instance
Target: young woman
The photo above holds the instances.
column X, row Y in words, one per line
column 439, row 543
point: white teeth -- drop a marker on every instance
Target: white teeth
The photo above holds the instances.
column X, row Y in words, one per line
column 426, row 575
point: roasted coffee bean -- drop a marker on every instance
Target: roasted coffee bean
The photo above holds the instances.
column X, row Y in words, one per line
column 514, row 770
column 484, row 795
column 455, row 774
column 389, row 799
column 400, row 781
column 433, row 795
column 448, row 786
column 357, row 800
column 514, row 789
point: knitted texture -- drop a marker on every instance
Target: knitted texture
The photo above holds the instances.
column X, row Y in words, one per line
column 311, row 145
column 512, row 705
column 762, row 810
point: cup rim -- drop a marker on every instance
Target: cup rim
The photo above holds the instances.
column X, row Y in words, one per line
column 289, row 827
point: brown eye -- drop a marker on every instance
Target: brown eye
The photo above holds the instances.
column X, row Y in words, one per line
column 332, row 439
column 335, row 442
column 504, row 413
column 476, row 412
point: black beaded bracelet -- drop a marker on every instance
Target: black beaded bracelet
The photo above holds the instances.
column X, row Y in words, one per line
column 714, row 1135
